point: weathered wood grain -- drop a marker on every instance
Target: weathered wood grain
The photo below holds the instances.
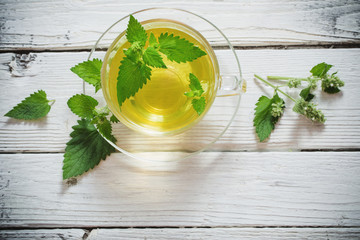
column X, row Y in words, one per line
column 38, row 234
column 21, row 75
column 212, row 189
column 227, row 233
column 185, row 233
column 69, row 24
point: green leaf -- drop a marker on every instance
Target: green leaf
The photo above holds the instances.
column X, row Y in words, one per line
column 33, row 107
column 195, row 87
column 114, row 119
column 106, row 130
column 264, row 121
column 135, row 32
column 82, row 105
column 152, row 41
column 321, row 69
column 85, row 149
column 152, row 58
column 199, row 105
column 331, row 90
column 306, row 95
column 90, row 72
column 134, row 53
column 132, row 76
column 178, row 49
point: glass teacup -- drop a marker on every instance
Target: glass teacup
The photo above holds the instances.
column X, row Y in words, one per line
column 154, row 141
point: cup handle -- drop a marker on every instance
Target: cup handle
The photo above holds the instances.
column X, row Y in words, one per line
column 231, row 85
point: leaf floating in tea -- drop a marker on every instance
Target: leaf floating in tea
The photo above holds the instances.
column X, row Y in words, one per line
column 153, row 58
column 196, row 91
column 199, row 105
column 152, row 41
column 135, row 32
column 195, row 86
column 134, row 70
column 132, row 76
column 178, row 49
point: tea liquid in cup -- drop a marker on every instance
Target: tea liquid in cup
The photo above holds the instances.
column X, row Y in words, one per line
column 160, row 106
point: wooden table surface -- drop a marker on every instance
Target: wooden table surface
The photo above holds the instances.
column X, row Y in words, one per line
column 304, row 183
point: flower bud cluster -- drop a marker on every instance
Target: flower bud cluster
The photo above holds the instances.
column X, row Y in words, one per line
column 332, row 81
column 294, row 83
column 309, row 110
column 277, row 109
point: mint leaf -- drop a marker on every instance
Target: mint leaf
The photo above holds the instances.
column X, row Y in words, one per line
column 134, row 53
column 132, row 76
column 199, row 105
column 152, row 58
column 178, row 49
column 33, row 107
column 82, row 105
column 106, row 130
column 152, row 41
column 114, row 119
column 136, row 32
column 320, row 70
column 85, row 149
column 264, row 121
column 306, row 95
column 196, row 90
column 330, row 90
column 90, row 72
column 195, row 87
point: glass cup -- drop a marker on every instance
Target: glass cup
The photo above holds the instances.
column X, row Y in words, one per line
column 208, row 128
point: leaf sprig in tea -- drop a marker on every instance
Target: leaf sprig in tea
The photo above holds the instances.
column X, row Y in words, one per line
column 135, row 68
column 198, row 102
column 268, row 111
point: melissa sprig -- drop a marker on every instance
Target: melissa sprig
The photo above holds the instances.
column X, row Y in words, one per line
column 136, row 67
column 268, row 111
column 196, row 91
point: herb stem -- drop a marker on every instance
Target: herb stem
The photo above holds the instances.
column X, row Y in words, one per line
column 104, row 110
column 285, row 78
column 52, row 102
column 274, row 87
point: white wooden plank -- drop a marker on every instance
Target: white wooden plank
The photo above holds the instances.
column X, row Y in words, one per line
column 50, row 71
column 68, row 24
column 38, row 234
column 227, row 233
column 186, row 233
column 213, row 189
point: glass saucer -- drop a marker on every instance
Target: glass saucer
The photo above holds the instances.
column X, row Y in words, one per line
column 218, row 118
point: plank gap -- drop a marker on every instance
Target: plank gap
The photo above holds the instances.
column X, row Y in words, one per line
column 220, row 151
column 331, row 150
column 326, row 45
column 90, row 228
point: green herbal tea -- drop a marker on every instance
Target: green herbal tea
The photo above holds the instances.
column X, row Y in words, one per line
column 161, row 106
